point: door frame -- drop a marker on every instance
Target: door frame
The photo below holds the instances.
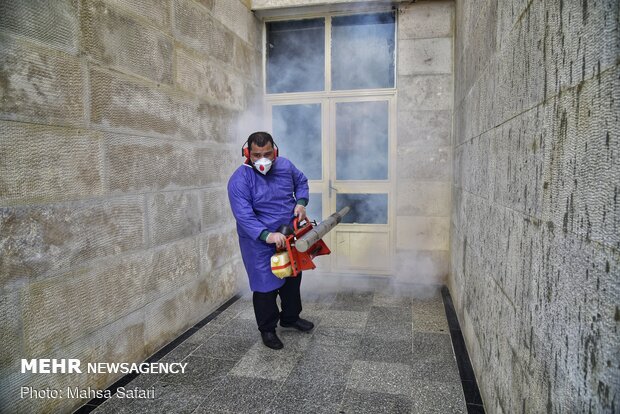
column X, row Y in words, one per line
column 328, row 99
column 328, row 104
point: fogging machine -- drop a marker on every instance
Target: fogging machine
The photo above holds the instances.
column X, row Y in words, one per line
column 303, row 243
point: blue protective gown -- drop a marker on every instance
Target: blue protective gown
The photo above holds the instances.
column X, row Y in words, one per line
column 262, row 202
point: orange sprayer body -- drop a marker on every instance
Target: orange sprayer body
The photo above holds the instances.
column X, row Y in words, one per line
column 300, row 261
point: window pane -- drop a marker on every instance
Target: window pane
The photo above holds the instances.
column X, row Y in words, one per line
column 315, row 207
column 297, row 132
column 362, row 141
column 296, row 56
column 363, row 51
column 365, row 208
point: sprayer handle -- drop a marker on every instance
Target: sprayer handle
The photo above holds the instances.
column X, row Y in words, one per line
column 296, row 225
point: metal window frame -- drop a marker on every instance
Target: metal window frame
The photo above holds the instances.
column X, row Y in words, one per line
column 327, row 63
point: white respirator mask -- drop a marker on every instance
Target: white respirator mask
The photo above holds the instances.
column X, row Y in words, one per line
column 263, row 165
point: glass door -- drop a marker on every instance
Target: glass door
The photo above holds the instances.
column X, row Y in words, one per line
column 343, row 146
column 330, row 96
column 360, row 178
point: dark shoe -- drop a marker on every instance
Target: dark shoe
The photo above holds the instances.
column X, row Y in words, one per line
column 301, row 324
column 271, row 340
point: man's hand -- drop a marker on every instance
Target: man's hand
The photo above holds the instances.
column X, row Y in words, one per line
column 278, row 238
column 300, row 212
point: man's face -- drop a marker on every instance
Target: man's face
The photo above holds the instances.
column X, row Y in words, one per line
column 256, row 152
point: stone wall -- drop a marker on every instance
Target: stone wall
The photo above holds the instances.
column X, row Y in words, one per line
column 116, row 142
column 535, row 228
column 424, row 127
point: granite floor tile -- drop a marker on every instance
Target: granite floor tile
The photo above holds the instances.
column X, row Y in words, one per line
column 389, row 323
column 353, row 301
column 202, row 372
column 237, row 394
column 318, row 371
column 113, row 406
column 396, row 299
column 356, row 402
column 330, row 353
column 390, row 378
column 180, row 352
column 295, row 340
column 322, row 297
column 390, row 331
column 240, row 305
column 263, row 362
column 336, row 336
column 310, row 398
column 433, row 358
column 429, row 315
column 437, row 397
column 374, row 348
column 204, row 333
column 240, row 327
column 232, row 311
column 432, row 345
column 247, row 314
column 322, row 364
column 345, row 319
column 383, row 315
column 226, row 347
column 225, row 316
column 437, row 369
column 313, row 315
column 170, row 398
column 314, row 306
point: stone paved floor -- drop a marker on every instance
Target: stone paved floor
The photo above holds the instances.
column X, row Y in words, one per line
column 375, row 349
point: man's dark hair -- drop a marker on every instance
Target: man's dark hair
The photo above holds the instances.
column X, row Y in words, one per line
column 260, row 139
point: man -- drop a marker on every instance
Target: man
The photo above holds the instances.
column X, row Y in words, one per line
column 266, row 192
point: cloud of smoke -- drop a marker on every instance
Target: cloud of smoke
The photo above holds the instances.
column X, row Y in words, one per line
column 297, row 130
column 296, row 56
column 249, row 121
column 422, row 272
column 362, row 140
column 363, row 51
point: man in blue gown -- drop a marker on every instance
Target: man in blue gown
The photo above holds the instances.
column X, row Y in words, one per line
column 268, row 191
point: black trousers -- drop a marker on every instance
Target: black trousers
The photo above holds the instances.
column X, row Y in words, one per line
column 266, row 308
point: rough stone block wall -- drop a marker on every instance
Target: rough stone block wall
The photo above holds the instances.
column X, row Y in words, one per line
column 117, row 138
column 424, row 128
column 535, row 228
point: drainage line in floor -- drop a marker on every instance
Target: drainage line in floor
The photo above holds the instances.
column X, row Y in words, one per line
column 96, row 402
column 466, row 371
